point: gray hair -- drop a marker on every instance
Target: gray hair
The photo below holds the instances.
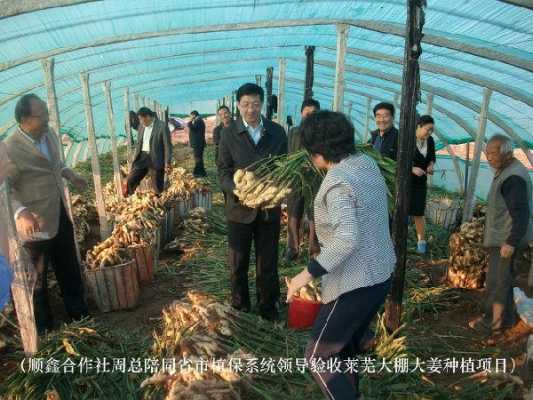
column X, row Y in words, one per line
column 506, row 144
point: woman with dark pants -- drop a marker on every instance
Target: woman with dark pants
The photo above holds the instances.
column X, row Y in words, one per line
column 356, row 256
column 423, row 162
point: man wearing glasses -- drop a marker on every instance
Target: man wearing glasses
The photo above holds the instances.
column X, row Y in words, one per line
column 38, row 199
column 250, row 139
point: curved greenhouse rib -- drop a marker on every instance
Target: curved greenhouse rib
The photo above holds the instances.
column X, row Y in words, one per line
column 12, row 8
column 482, row 49
column 519, row 3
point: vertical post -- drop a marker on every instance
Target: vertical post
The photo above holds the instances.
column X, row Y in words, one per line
column 349, row 111
column 309, row 71
column 77, row 154
column 410, row 96
column 111, row 128
column 429, row 108
column 24, row 276
column 268, row 84
column 342, row 38
column 258, row 80
column 281, row 92
column 468, row 208
column 237, row 113
column 127, row 124
column 55, row 123
column 429, row 111
column 367, row 118
column 455, row 161
column 95, row 164
column 167, row 114
column 136, row 102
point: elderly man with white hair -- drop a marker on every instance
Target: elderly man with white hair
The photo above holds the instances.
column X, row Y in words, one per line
column 508, row 227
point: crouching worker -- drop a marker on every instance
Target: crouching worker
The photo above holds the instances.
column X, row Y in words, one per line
column 356, row 257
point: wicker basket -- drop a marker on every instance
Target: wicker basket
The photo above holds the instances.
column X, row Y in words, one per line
column 114, row 288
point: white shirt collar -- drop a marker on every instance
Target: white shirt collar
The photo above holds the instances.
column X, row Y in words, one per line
column 247, row 125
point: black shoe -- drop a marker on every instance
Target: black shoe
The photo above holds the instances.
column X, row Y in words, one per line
column 272, row 315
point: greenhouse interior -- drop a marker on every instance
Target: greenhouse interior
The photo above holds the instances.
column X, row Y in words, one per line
column 146, row 147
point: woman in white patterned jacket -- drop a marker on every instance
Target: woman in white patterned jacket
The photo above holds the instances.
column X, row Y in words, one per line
column 356, row 257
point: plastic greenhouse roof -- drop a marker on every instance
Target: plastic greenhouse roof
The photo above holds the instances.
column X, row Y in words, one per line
column 203, row 50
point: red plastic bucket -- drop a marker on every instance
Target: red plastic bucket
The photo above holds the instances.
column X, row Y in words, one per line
column 302, row 313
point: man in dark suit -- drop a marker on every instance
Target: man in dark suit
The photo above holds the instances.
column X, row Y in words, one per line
column 152, row 154
column 250, row 139
column 197, row 142
column 385, row 138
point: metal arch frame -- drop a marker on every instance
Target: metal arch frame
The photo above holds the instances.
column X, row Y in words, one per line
column 460, row 122
column 39, row 6
column 99, row 54
column 471, row 78
column 433, row 37
column 508, row 128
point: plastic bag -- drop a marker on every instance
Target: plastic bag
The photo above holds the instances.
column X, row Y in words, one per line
column 524, row 306
column 6, row 277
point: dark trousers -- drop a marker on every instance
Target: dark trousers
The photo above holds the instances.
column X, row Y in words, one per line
column 499, row 284
column 336, row 335
column 295, row 210
column 60, row 252
column 265, row 236
column 142, row 166
column 199, row 169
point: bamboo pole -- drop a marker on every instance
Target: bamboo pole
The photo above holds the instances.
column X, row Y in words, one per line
column 342, row 38
column 95, row 164
column 114, row 147
column 24, row 276
column 468, row 207
column 127, row 124
column 367, row 118
column 410, row 96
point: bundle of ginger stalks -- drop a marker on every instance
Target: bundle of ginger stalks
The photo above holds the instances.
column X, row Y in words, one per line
column 266, row 183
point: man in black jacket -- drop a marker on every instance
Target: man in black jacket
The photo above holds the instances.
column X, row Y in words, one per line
column 385, row 138
column 248, row 140
column 152, row 154
column 197, row 142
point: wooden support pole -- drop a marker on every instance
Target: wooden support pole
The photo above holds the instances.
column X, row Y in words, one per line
column 95, row 164
column 309, row 71
column 24, row 276
column 127, row 125
column 114, row 146
column 367, row 118
column 469, row 204
column 55, row 124
column 281, row 92
column 268, row 84
column 455, row 160
column 258, row 79
column 410, row 97
column 342, row 39
column 77, row 153
column 429, row 104
column 136, row 102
